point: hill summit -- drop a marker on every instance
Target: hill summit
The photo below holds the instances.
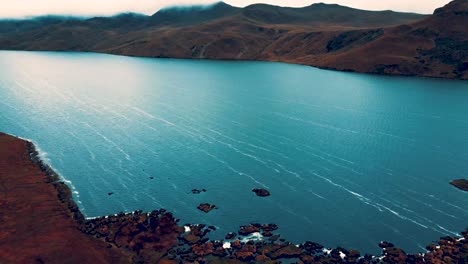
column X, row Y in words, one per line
column 322, row 35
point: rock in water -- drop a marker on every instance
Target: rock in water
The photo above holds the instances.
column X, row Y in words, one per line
column 385, row 244
column 461, row 184
column 196, row 191
column 230, row 236
column 206, row 207
column 261, row 192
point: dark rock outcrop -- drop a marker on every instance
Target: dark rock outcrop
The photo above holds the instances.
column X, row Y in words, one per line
column 249, row 229
column 206, row 207
column 261, row 192
column 197, row 191
column 136, row 231
column 289, row 251
column 230, row 235
column 385, row 244
column 461, row 184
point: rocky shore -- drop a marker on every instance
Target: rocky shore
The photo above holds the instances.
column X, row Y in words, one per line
column 42, row 224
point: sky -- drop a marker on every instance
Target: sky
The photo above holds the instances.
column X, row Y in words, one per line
column 27, row 8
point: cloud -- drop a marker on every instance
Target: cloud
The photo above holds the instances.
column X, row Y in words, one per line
column 24, row 8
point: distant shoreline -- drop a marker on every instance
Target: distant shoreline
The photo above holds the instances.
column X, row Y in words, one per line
column 138, row 236
column 325, row 36
column 243, row 60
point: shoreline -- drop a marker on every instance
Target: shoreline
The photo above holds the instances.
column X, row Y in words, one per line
column 40, row 157
column 65, row 194
column 37, row 213
column 319, row 35
column 140, row 237
column 332, row 69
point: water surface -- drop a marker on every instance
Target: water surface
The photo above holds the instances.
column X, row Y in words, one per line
column 350, row 159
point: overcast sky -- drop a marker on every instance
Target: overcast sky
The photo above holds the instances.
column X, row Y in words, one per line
column 24, row 8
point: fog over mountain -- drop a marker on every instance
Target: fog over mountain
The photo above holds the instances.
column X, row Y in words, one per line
column 27, row 8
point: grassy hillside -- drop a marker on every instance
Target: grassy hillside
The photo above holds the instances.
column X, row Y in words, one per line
column 327, row 36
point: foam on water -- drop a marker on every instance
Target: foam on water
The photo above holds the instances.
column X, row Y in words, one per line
column 256, row 236
column 43, row 156
column 351, row 161
column 226, row 245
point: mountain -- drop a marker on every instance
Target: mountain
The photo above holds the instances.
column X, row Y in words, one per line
column 12, row 26
column 326, row 14
column 321, row 35
column 186, row 16
column 436, row 46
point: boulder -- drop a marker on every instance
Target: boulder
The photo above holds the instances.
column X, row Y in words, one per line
column 261, row 192
column 206, row 207
column 230, row 236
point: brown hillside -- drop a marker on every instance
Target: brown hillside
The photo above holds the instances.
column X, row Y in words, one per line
column 36, row 226
column 327, row 36
column 436, row 47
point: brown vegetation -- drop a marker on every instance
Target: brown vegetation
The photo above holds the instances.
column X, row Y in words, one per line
column 326, row 36
column 36, row 218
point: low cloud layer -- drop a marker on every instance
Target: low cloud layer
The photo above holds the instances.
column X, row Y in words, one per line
column 25, row 8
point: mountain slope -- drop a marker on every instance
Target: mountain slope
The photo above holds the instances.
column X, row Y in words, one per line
column 327, row 36
column 328, row 14
column 436, row 46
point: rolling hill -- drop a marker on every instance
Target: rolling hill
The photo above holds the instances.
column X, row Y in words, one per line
column 321, row 35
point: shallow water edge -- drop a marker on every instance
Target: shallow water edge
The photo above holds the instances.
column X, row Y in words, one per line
column 156, row 235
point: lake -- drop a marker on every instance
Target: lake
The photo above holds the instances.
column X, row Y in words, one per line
column 349, row 159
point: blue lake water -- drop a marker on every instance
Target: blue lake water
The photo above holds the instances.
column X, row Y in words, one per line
column 350, row 159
